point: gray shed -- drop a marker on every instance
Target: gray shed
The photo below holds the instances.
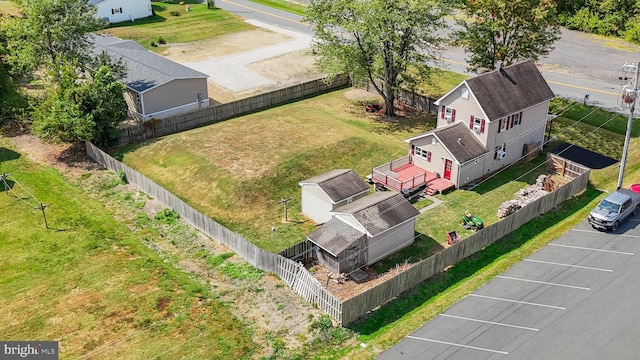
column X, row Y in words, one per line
column 156, row 86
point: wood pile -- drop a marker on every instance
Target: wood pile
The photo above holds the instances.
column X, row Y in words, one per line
column 544, row 184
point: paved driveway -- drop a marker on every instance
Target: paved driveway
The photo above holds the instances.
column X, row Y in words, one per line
column 576, row 298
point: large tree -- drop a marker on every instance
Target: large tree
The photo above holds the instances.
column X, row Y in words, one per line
column 50, row 33
column 506, row 31
column 388, row 43
column 82, row 108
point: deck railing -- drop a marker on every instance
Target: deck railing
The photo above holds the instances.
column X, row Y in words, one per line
column 384, row 175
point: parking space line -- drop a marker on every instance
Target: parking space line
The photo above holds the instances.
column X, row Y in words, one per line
column 631, row 236
column 592, row 249
column 460, row 345
column 600, row 232
column 636, row 220
column 568, row 265
column 490, row 322
column 544, row 282
column 519, row 302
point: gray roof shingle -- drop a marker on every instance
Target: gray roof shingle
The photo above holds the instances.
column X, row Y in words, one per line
column 335, row 236
column 510, row 89
column 462, row 144
column 380, row 211
column 339, row 184
column 145, row 70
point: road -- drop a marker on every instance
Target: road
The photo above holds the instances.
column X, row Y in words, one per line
column 580, row 63
column 576, row 298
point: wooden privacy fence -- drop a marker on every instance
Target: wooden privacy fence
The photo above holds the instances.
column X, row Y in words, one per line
column 362, row 303
column 292, row 273
column 564, row 167
column 304, row 283
column 213, row 114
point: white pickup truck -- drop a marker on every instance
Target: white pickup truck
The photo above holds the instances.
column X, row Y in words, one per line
column 614, row 210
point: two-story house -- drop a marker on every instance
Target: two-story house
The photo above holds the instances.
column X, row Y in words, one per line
column 484, row 124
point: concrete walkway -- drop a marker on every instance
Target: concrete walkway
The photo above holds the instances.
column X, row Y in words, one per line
column 435, row 200
column 231, row 71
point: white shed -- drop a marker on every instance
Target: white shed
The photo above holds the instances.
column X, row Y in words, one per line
column 323, row 193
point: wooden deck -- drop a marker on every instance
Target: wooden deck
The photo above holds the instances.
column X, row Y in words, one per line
column 409, row 176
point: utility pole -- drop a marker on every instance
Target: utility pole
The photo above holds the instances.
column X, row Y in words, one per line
column 629, row 94
column 42, row 207
column 284, row 202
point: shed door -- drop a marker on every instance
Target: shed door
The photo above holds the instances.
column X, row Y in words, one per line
column 447, row 169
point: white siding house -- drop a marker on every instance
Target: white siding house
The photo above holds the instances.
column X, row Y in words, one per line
column 114, row 11
column 484, row 124
column 323, row 193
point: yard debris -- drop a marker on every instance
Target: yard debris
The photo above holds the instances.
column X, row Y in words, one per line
column 544, row 184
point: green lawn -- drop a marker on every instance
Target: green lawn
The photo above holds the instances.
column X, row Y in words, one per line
column 198, row 24
column 237, row 171
column 289, row 6
column 88, row 283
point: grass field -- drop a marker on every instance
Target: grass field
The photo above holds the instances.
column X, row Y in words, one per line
column 198, row 24
column 88, row 283
column 237, row 171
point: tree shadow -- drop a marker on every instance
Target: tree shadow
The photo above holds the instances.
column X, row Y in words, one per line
column 423, row 247
column 8, row 154
column 459, row 273
column 525, row 172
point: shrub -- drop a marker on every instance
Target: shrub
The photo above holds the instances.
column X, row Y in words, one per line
column 174, row 13
column 123, row 176
column 160, row 40
column 167, row 216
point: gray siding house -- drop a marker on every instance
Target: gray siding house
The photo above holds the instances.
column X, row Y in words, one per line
column 323, row 193
column 484, row 124
column 365, row 231
column 156, row 87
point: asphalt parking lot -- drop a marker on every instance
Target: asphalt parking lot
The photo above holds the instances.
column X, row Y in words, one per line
column 576, row 298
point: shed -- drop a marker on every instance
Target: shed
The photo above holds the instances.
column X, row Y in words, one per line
column 156, row 86
column 323, row 193
column 384, row 221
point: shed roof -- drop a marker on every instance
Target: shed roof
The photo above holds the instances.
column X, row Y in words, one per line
column 380, row 211
column 460, row 142
column 335, row 236
column 145, row 70
column 339, row 184
column 510, row 89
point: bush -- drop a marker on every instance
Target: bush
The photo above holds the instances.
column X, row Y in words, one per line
column 160, row 41
column 632, row 32
column 174, row 13
column 123, row 176
column 167, row 216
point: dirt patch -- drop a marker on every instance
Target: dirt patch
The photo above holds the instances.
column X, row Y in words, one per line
column 223, row 45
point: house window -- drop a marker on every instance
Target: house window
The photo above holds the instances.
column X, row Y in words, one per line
column 448, row 114
column 476, row 124
column 503, row 124
column 419, row 152
column 516, row 119
column 116, row 11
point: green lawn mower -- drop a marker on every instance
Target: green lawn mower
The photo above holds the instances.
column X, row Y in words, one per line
column 471, row 222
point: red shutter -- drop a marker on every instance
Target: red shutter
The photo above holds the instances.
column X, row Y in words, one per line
column 500, row 125
column 512, row 116
column 471, row 122
column 442, row 112
column 453, row 115
column 482, row 127
column 429, row 156
column 520, row 123
column 413, row 149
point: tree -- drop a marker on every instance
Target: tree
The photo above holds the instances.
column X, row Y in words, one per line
column 388, row 43
column 506, row 31
column 51, row 32
column 82, row 109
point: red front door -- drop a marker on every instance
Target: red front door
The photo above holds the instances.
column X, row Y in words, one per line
column 447, row 169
